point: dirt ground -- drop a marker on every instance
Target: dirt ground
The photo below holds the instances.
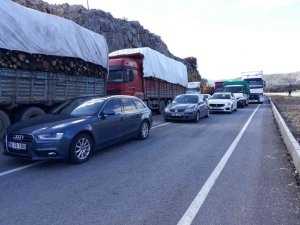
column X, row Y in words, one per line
column 289, row 108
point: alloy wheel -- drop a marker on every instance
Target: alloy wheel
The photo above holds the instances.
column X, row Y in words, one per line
column 144, row 130
column 82, row 148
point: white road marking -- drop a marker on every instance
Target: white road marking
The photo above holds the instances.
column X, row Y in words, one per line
column 20, row 168
column 191, row 212
column 160, row 125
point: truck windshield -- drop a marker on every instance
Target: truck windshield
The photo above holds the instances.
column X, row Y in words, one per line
column 233, row 89
column 255, row 83
column 115, row 76
column 219, row 89
column 196, row 89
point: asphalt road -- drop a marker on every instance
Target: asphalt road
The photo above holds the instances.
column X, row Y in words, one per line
column 155, row 181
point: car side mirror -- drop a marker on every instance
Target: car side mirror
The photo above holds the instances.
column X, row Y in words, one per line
column 108, row 112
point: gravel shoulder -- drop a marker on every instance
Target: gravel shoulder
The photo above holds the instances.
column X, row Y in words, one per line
column 289, row 108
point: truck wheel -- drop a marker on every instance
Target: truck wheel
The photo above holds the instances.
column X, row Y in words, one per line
column 29, row 113
column 4, row 123
column 162, row 106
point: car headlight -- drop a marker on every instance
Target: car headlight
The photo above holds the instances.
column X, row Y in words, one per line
column 50, row 136
column 228, row 103
column 167, row 110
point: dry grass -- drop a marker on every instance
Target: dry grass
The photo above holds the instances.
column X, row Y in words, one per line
column 289, row 108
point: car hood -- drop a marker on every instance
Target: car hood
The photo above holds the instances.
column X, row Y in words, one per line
column 181, row 106
column 218, row 101
column 46, row 123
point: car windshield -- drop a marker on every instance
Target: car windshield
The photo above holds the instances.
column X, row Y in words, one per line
column 186, row 99
column 220, row 96
column 79, row 107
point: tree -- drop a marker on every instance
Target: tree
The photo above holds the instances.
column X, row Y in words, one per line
column 192, row 61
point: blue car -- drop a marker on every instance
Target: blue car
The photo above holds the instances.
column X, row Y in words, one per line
column 77, row 127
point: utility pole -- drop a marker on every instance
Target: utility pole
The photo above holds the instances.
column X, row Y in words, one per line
column 87, row 1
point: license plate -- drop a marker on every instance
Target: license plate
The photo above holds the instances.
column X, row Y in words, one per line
column 17, row 146
column 176, row 114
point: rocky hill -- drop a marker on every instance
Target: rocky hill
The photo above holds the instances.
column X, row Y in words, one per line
column 282, row 79
column 282, row 82
column 119, row 33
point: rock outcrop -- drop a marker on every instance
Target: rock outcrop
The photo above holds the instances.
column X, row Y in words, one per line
column 119, row 33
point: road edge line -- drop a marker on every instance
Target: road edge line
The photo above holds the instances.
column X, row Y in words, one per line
column 196, row 204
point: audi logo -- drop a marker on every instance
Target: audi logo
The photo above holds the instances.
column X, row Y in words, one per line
column 18, row 137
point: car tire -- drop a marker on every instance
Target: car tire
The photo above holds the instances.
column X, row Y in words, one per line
column 207, row 115
column 231, row 110
column 197, row 117
column 81, row 148
column 4, row 123
column 144, row 130
column 243, row 104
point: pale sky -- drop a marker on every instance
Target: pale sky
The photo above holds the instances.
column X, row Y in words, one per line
column 226, row 36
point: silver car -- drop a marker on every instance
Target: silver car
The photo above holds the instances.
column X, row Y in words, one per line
column 187, row 107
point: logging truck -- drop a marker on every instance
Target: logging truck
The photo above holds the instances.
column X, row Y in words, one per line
column 44, row 60
column 147, row 74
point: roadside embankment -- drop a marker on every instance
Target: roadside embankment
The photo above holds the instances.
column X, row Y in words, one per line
column 286, row 112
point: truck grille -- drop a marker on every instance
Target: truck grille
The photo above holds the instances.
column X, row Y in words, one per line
column 254, row 97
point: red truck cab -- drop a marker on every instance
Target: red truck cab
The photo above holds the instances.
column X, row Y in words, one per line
column 125, row 76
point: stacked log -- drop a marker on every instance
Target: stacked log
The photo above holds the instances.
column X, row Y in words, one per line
column 48, row 63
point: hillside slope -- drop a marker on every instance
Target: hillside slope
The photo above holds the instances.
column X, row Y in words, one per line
column 282, row 79
column 119, row 33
